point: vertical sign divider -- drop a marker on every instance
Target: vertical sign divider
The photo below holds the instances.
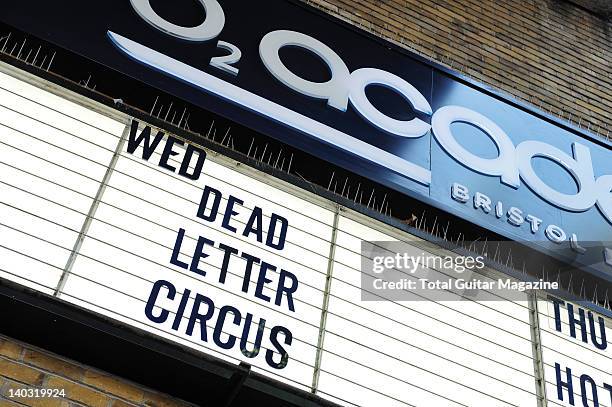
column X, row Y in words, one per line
column 324, row 307
column 92, row 211
column 536, row 346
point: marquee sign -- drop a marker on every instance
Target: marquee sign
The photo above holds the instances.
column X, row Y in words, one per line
column 388, row 115
column 583, row 376
column 121, row 219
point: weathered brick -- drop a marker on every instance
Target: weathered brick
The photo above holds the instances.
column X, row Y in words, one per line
column 113, row 386
column 78, row 392
column 20, row 372
column 10, row 349
column 53, row 364
column 7, row 403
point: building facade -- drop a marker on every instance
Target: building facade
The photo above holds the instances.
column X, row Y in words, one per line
column 313, row 203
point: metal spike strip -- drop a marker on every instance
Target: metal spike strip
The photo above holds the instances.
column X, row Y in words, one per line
column 51, row 62
column 8, row 37
column 36, row 55
column 154, row 104
column 370, row 200
column 278, row 158
column 21, row 48
column 210, row 130
column 168, row 112
column 422, row 218
column 250, row 147
column 225, row 136
column 357, row 193
column 182, row 116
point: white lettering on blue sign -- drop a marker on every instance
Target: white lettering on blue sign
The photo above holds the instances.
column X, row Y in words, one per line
column 512, row 164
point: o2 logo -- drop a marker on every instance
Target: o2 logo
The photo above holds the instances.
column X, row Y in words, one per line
column 209, row 29
column 512, row 164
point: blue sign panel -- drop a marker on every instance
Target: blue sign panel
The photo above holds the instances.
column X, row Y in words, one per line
column 363, row 104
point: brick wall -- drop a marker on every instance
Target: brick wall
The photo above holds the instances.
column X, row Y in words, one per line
column 25, row 367
column 549, row 53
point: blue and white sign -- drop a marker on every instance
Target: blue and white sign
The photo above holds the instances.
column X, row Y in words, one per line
column 379, row 111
